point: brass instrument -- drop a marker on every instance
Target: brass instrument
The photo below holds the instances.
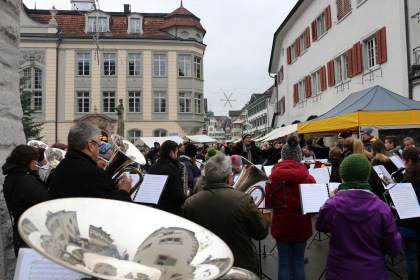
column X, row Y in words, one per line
column 386, row 180
column 187, row 190
column 37, row 144
column 125, row 153
column 53, row 156
column 249, row 176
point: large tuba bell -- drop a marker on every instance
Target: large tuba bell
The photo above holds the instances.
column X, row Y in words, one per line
column 125, row 153
column 249, row 176
column 53, row 156
column 37, row 144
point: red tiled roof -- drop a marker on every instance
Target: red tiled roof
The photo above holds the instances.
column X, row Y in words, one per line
column 73, row 24
column 182, row 17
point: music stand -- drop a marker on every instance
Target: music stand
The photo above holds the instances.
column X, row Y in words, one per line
column 280, row 187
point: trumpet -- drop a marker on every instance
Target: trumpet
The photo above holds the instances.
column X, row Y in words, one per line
column 249, row 176
column 125, row 153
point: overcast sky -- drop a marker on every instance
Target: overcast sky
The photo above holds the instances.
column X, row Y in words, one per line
column 239, row 39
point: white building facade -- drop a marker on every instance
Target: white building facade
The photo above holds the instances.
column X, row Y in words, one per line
column 327, row 49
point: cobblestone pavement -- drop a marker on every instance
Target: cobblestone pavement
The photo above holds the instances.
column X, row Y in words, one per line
column 317, row 258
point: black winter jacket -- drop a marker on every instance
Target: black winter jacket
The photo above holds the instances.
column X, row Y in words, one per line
column 192, row 169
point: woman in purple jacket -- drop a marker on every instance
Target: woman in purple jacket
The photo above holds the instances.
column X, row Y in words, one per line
column 362, row 226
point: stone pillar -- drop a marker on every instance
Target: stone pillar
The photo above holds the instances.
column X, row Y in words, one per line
column 11, row 129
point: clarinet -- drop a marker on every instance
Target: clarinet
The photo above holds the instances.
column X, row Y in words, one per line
column 187, row 191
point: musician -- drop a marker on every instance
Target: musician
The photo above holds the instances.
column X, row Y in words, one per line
column 189, row 159
column 408, row 227
column 77, row 175
column 362, row 226
column 22, row 186
column 230, row 214
column 172, row 197
column 247, row 149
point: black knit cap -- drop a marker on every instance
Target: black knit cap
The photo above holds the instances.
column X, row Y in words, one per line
column 245, row 135
column 190, row 150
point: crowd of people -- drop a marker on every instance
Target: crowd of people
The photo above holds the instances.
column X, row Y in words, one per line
column 361, row 224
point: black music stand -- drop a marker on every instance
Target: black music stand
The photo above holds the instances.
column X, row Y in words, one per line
column 319, row 239
column 280, row 187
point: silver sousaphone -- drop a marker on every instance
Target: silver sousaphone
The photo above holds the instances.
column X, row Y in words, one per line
column 125, row 153
column 249, row 176
column 124, row 241
column 37, row 144
column 53, row 156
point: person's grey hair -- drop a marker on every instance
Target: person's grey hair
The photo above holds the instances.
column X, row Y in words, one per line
column 217, row 168
column 409, row 139
column 80, row 134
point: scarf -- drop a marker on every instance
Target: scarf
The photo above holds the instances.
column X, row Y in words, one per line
column 247, row 150
column 357, row 185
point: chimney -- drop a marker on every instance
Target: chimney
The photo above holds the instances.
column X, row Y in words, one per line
column 127, row 8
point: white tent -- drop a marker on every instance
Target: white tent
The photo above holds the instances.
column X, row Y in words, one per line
column 283, row 131
column 149, row 141
column 267, row 135
column 199, row 138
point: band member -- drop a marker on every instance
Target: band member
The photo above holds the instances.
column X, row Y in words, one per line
column 22, row 186
column 247, row 149
column 189, row 159
column 230, row 214
column 172, row 197
column 77, row 175
column 362, row 226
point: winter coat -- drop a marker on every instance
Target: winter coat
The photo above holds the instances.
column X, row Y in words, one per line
column 362, row 231
column 255, row 152
column 288, row 223
column 233, row 216
column 22, row 189
column 172, row 197
column 192, row 169
column 77, row 175
column 335, row 170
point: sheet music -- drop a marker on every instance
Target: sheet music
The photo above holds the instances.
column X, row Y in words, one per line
column 198, row 163
column 405, row 200
column 313, row 196
column 380, row 169
column 267, row 170
column 135, row 177
column 34, row 266
column 150, row 189
column 397, row 161
column 321, row 175
column 259, row 166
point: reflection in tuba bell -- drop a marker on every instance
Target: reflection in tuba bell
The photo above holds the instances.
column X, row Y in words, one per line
column 37, row 144
column 125, row 153
column 249, row 176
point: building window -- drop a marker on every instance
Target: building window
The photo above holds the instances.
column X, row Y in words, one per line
column 315, row 83
column 82, row 102
column 371, row 52
column 159, row 133
column 134, row 64
column 134, row 101
column 197, row 103
column 159, row 102
column 343, row 8
column 302, row 42
column 197, row 67
column 32, row 82
column 292, row 52
column 159, row 65
column 185, row 102
column 184, row 65
column 341, row 68
column 133, row 135
column 108, row 101
column 135, row 25
column 97, row 24
column 83, row 64
column 301, row 90
column 185, row 35
column 109, row 64
column 320, row 25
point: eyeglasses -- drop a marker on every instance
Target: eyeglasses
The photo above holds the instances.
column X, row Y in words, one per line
column 96, row 143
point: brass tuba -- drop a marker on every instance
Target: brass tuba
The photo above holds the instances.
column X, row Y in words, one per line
column 53, row 156
column 125, row 153
column 249, row 176
column 37, row 144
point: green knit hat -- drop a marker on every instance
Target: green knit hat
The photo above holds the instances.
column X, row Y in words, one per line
column 355, row 167
column 211, row 152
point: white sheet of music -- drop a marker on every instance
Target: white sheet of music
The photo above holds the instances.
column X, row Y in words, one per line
column 32, row 265
column 405, row 200
column 259, row 166
column 150, row 189
column 312, row 197
column 267, row 170
column 321, row 175
column 135, row 177
column 397, row 161
column 380, row 169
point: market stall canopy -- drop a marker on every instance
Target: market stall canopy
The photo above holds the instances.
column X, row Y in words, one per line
column 267, row 135
column 283, row 131
column 149, row 141
column 199, row 138
column 375, row 106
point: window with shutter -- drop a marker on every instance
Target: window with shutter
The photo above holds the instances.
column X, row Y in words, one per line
column 327, row 15
column 307, row 36
column 350, row 62
column 343, row 8
column 301, row 90
column 381, row 45
column 314, row 34
column 320, row 25
column 295, row 94
column 357, row 59
column 288, row 55
column 315, row 83
column 292, row 52
column 323, row 78
column 308, row 86
column 297, row 47
column 302, row 43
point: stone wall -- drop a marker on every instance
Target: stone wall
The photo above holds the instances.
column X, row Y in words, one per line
column 11, row 130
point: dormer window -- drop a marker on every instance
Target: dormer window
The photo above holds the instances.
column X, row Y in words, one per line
column 185, row 35
column 135, row 24
column 97, row 22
